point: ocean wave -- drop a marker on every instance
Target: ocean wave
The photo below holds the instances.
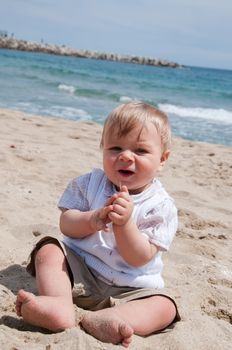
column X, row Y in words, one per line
column 125, row 99
column 54, row 111
column 68, row 112
column 68, row 88
column 220, row 114
column 102, row 94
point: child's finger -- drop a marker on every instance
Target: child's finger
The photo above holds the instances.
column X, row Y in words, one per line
column 106, row 228
column 111, row 199
column 124, row 189
column 114, row 216
column 118, row 209
column 106, row 211
column 123, row 195
column 123, row 202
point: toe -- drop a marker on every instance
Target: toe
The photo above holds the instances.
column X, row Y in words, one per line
column 19, row 302
column 22, row 294
column 126, row 342
column 126, row 332
column 18, row 308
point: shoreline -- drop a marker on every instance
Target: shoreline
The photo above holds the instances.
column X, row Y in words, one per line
column 91, row 121
column 40, row 155
column 30, row 46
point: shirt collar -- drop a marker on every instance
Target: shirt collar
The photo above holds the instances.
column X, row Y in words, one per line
column 110, row 189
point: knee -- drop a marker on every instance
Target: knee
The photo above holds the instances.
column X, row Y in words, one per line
column 49, row 254
column 168, row 311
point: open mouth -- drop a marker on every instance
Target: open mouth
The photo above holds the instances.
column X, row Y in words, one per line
column 126, row 172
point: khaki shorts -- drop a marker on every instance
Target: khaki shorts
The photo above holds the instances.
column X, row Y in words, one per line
column 89, row 292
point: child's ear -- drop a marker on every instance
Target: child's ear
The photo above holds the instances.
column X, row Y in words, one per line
column 164, row 158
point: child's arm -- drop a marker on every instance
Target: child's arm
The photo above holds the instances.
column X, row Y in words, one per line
column 77, row 224
column 135, row 249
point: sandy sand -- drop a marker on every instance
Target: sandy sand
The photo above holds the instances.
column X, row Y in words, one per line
column 40, row 155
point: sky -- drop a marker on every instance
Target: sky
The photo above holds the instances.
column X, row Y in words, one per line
column 189, row 32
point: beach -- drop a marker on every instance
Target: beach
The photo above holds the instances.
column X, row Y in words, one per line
column 40, row 155
column 197, row 100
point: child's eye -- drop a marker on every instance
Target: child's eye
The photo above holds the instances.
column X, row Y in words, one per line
column 141, row 151
column 115, row 149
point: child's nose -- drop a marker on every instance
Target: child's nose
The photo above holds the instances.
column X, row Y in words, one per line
column 126, row 155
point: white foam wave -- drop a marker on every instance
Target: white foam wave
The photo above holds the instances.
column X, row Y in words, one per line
column 125, row 99
column 68, row 88
column 198, row 112
column 24, row 104
column 68, row 112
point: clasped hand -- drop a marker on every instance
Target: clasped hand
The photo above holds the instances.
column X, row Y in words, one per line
column 118, row 210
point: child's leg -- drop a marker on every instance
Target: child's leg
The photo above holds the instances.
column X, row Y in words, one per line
column 53, row 308
column 144, row 316
column 148, row 315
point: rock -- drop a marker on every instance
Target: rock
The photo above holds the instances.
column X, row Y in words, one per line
column 23, row 45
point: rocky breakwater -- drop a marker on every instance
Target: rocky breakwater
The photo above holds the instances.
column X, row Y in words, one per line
column 24, row 45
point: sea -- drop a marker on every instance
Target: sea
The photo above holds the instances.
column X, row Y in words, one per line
column 197, row 100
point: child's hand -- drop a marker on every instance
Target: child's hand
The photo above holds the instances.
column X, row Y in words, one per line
column 122, row 208
column 100, row 217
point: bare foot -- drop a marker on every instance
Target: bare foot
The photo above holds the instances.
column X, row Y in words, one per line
column 108, row 327
column 53, row 313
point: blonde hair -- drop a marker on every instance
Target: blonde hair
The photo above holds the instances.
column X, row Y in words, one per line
column 127, row 116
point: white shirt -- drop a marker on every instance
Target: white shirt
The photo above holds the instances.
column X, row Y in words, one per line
column 154, row 213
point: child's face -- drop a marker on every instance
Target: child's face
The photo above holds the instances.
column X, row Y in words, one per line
column 134, row 159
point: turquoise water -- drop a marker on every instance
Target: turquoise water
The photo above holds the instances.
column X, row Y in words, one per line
column 198, row 101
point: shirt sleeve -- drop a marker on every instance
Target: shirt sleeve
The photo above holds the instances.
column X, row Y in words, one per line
column 74, row 196
column 159, row 224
